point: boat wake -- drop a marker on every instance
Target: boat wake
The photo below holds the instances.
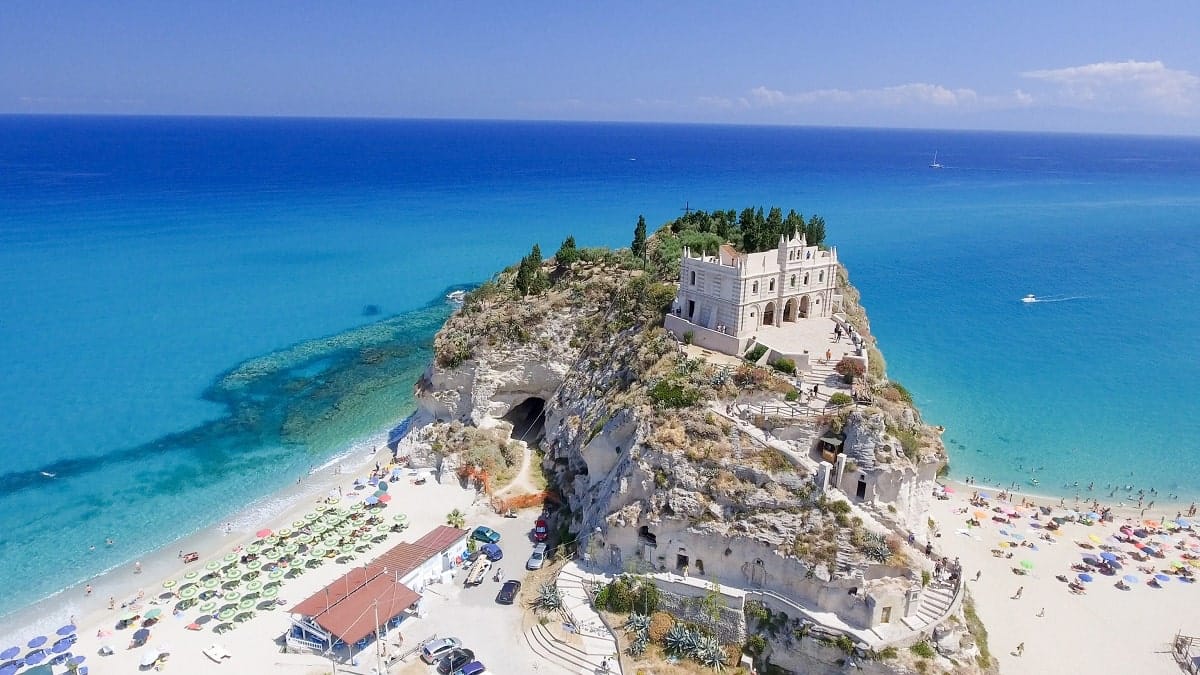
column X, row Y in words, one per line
column 1031, row 298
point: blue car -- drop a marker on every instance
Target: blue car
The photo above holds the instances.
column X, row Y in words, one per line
column 486, row 534
column 472, row 668
column 492, row 552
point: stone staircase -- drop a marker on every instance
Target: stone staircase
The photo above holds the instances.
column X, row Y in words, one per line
column 597, row 643
column 935, row 600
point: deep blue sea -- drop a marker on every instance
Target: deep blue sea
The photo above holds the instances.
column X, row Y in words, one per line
column 182, row 319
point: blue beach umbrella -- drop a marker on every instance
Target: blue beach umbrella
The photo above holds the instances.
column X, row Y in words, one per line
column 1182, row 522
column 36, row 642
column 9, row 669
column 35, row 658
column 1132, row 578
column 1018, row 536
column 10, row 653
column 77, row 659
column 1086, row 578
column 1161, row 577
column 66, row 630
column 61, row 646
column 371, row 500
column 1109, row 556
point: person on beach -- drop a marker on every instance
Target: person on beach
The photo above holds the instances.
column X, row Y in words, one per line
column 137, row 567
column 1020, row 649
column 87, row 591
column 112, row 602
column 1017, row 595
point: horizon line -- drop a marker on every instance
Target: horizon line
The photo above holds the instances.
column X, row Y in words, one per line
column 520, row 120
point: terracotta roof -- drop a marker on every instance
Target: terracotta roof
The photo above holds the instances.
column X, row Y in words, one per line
column 441, row 538
column 346, row 608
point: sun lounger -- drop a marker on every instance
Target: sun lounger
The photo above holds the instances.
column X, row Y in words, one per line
column 217, row 653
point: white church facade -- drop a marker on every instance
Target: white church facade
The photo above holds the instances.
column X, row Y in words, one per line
column 724, row 299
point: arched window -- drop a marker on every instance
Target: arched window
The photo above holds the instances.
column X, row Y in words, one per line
column 754, row 287
column 771, row 285
column 793, row 281
column 693, row 278
column 821, row 277
column 806, row 278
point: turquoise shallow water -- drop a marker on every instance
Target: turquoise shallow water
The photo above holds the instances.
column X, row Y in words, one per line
column 145, row 262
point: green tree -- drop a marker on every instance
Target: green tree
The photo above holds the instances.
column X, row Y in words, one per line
column 567, row 253
column 456, row 518
column 749, row 230
column 638, row 247
column 794, row 225
column 774, row 225
column 815, row 231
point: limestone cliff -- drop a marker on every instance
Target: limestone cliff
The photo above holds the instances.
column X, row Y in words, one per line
column 653, row 472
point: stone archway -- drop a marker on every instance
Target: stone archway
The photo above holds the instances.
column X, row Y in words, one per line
column 804, row 307
column 768, row 317
column 789, row 310
column 528, row 420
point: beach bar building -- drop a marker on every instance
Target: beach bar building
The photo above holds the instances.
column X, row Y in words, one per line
column 369, row 601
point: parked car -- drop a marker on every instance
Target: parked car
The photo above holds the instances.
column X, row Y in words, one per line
column 455, row 659
column 472, row 668
column 537, row 558
column 508, row 592
column 492, row 552
column 541, row 530
column 439, row 647
column 486, row 534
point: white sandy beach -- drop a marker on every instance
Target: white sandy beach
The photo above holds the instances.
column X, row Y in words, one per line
column 252, row 642
column 1104, row 630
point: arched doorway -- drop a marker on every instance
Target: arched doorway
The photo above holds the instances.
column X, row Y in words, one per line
column 789, row 310
column 804, row 307
column 768, row 318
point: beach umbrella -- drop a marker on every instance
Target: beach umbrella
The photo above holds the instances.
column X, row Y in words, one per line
column 254, row 565
column 1086, row 578
column 169, row 583
column 311, row 516
column 1109, row 556
column 226, row 614
column 356, row 506
column 304, row 539
column 263, row 533
column 36, row 642
column 1095, row 539
column 232, row 596
column 154, row 613
column 213, row 565
column 297, row 524
column 1182, row 522
column 76, row 660
column 9, row 669
column 66, row 630
column 186, row 593
column 285, row 532
column 255, row 547
column 371, row 500
column 383, row 487
column 1150, row 523
column 403, row 517
column 383, row 499
column 1018, row 536
column 233, row 573
column 1132, row 578
column 1161, row 577
column 61, row 646
column 34, row 658
column 246, row 604
column 212, row 583
column 347, row 548
column 191, row 575
column 270, row 592
column 141, row 634
column 128, row 615
column 253, row 586
column 10, row 653
column 208, row 607
column 1027, row 564
column 230, row 558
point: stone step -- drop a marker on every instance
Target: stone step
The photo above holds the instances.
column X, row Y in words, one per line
column 558, row 654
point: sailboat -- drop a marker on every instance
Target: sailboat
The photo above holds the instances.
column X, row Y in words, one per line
column 935, row 164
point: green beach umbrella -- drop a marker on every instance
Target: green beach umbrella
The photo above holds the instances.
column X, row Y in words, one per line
column 212, row 583
column 400, row 517
column 304, row 539
column 169, row 583
column 255, row 547
column 226, row 614
column 230, row 557
column 297, row 524
column 347, row 548
column 188, row 592
column 208, row 607
column 322, row 507
column 254, row 564
column 286, row 532
column 213, row 565
column 270, row 592
column 128, row 615
column 191, row 575
column 357, row 506
column 153, row 613
column 232, row 573
column 253, row 586
column 275, row 574
column 1027, row 564
column 311, row 516
column 232, row 596
column 246, row 604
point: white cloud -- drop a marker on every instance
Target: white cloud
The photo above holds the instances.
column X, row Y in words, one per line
column 1148, row 85
column 912, row 95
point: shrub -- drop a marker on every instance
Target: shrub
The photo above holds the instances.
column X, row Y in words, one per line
column 926, row 577
column 756, row 353
column 887, row 654
column 601, row 599
column 791, row 395
column 755, row 645
column 840, row 399
column 674, row 395
column 548, row 598
column 620, row 596
column 849, row 368
column 660, row 624
column 784, row 366
column 924, row 650
column 647, row 597
column 688, row 337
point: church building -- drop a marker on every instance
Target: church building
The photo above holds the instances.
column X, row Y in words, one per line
column 724, row 299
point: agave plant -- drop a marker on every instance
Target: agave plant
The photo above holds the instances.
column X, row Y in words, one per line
column 548, row 598
column 875, row 547
column 677, row 640
column 638, row 624
column 709, row 653
column 638, row 646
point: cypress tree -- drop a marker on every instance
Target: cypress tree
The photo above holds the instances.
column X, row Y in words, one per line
column 638, row 247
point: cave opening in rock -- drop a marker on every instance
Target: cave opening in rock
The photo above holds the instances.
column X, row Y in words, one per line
column 528, row 422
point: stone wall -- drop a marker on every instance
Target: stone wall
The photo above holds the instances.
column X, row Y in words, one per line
column 723, row 615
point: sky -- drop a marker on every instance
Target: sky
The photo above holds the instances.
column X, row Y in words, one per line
column 1099, row 66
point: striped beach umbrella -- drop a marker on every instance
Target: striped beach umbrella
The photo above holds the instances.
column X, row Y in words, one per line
column 170, row 583
column 232, row 596
column 347, row 548
column 230, row 558
column 213, row 565
column 186, row 592
column 253, row 587
column 246, row 604
column 191, row 575
column 270, row 592
column 226, row 614
column 400, row 518
column 208, row 607
column 304, row 539
column 211, row 583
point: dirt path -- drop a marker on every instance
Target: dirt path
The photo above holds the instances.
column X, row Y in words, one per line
column 521, row 483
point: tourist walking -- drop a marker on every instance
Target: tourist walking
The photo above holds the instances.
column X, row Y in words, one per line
column 1020, row 591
